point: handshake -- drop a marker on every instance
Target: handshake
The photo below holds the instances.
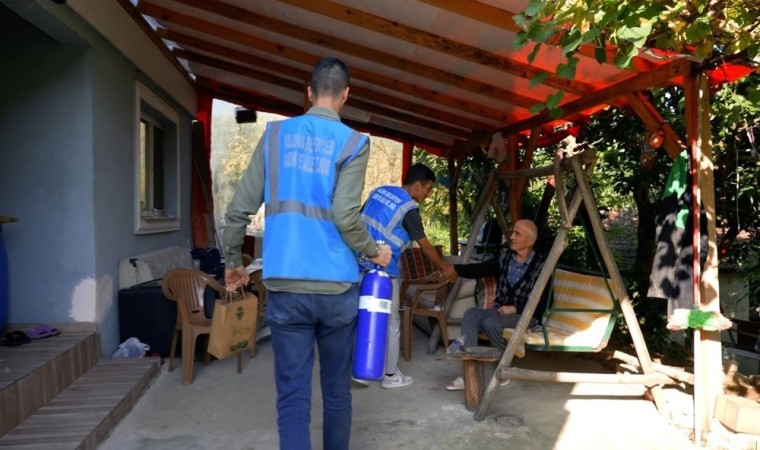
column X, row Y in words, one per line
column 449, row 272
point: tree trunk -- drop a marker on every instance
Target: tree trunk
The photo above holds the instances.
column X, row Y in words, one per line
column 646, row 245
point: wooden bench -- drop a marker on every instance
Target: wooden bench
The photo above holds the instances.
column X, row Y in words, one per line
column 473, row 365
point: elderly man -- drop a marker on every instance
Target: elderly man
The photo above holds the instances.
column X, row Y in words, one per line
column 517, row 270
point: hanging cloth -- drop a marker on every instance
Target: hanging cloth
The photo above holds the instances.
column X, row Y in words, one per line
column 672, row 273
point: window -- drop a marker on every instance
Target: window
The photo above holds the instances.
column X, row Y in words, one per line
column 156, row 164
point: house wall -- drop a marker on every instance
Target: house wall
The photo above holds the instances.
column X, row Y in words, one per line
column 46, row 172
column 67, row 111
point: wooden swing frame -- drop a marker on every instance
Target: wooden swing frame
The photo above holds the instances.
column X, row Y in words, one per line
column 695, row 81
column 581, row 164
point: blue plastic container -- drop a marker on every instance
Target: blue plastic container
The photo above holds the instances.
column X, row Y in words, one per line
column 372, row 326
column 3, row 284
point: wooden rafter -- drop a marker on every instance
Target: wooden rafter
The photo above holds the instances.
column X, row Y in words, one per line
column 366, row 76
column 442, row 44
column 145, row 26
column 654, row 121
column 454, row 120
column 262, row 102
column 356, row 100
column 655, row 77
column 502, row 18
column 247, row 98
column 334, row 44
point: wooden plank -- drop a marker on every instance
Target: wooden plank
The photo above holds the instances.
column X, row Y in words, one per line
column 586, row 157
column 652, row 379
column 487, row 354
column 84, row 413
column 441, row 44
column 328, row 42
column 707, row 345
column 357, row 73
column 527, row 160
column 654, row 78
column 477, row 222
column 355, row 99
column 473, row 374
column 454, row 170
column 145, row 26
column 38, row 371
column 654, row 121
column 673, row 372
column 559, row 244
column 624, row 301
column 504, row 19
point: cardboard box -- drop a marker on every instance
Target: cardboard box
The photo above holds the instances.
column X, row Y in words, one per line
column 738, row 414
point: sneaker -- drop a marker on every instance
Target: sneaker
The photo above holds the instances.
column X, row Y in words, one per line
column 396, row 380
column 457, row 345
column 457, row 384
column 361, row 382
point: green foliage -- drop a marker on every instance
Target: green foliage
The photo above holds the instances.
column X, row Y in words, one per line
column 735, row 124
column 716, row 29
column 435, row 210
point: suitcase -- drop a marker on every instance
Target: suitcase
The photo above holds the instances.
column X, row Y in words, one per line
column 146, row 314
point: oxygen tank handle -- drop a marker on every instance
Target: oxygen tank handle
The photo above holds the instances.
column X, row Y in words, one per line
column 379, row 242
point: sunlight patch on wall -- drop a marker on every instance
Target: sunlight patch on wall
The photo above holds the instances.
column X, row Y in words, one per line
column 91, row 300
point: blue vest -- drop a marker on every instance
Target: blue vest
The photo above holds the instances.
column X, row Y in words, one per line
column 384, row 213
column 302, row 158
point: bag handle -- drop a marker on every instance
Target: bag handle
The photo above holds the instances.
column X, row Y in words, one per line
column 231, row 296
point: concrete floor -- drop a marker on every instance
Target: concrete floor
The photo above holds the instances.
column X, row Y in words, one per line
column 224, row 410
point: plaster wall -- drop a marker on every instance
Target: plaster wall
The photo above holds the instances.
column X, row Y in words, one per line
column 67, row 170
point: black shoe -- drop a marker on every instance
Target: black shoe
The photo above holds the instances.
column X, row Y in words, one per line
column 15, row 339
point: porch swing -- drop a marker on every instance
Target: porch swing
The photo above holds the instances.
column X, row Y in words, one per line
column 583, row 309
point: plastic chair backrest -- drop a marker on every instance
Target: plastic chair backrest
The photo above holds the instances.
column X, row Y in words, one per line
column 187, row 287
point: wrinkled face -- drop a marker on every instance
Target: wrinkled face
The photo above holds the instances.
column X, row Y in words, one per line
column 420, row 190
column 521, row 239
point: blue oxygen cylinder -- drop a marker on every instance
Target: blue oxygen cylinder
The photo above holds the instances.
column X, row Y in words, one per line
column 372, row 325
column 4, row 289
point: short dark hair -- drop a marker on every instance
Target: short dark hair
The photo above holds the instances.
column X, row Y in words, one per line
column 419, row 172
column 329, row 78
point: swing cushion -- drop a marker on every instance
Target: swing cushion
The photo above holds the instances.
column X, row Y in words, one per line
column 580, row 317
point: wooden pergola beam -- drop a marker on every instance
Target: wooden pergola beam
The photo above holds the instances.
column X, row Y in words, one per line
column 502, row 18
column 654, row 121
column 655, row 77
column 708, row 376
column 359, row 74
column 249, row 99
column 438, row 43
column 334, row 44
column 262, row 102
column 145, row 26
column 355, row 101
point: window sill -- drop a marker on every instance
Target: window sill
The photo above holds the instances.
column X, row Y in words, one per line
column 149, row 225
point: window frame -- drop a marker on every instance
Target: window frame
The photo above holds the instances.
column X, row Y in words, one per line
column 158, row 114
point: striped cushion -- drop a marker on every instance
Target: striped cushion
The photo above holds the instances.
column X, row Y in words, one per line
column 572, row 290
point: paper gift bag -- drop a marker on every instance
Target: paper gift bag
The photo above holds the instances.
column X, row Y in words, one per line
column 232, row 324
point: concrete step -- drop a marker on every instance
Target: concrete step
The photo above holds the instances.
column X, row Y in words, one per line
column 83, row 414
